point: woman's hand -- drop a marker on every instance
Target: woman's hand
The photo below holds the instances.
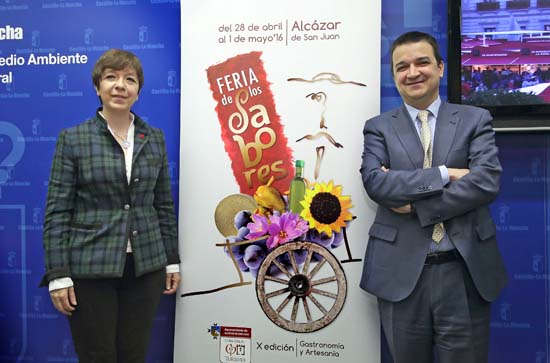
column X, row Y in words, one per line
column 172, row 283
column 64, row 300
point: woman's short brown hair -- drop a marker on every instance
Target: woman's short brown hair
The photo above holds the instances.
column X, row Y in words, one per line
column 117, row 59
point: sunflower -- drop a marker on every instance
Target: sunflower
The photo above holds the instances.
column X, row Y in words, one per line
column 325, row 208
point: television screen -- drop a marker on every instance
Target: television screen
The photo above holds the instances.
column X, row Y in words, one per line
column 504, row 57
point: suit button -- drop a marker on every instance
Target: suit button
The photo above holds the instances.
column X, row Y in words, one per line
column 126, row 206
column 136, row 180
column 134, row 233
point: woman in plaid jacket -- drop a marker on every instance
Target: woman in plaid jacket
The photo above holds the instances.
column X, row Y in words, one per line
column 110, row 235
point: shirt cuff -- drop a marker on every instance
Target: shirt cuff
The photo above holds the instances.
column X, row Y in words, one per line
column 444, row 174
column 170, row 269
column 61, row 283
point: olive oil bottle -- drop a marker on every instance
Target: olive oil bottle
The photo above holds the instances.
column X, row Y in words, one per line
column 297, row 189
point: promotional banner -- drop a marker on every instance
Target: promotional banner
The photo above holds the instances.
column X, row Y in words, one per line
column 273, row 214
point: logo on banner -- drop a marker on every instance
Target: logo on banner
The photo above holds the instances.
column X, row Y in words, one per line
column 10, row 87
column 173, row 172
column 13, row 5
column 36, row 131
column 6, row 174
column 534, row 172
column 88, row 36
column 37, row 310
column 536, row 166
column 37, row 303
column 503, row 214
column 504, row 220
column 66, row 346
column 12, row 256
column 436, row 24
column 35, row 38
column 172, row 165
column 251, row 128
column 36, row 123
column 60, row 4
column 88, row 43
column 505, row 312
column 13, row 346
column 62, row 82
column 143, row 34
column 538, row 263
column 505, row 319
column 62, row 89
column 214, row 330
column 143, row 41
column 108, row 3
column 36, row 215
column 172, row 79
column 235, row 344
column 171, row 85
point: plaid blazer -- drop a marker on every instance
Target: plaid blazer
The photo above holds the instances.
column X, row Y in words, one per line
column 92, row 210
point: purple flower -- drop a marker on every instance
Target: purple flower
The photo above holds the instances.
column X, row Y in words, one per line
column 284, row 228
column 258, row 227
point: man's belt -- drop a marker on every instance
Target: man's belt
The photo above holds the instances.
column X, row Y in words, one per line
column 437, row 258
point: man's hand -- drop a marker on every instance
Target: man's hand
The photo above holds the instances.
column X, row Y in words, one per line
column 455, row 174
column 64, row 300
column 403, row 209
column 172, row 283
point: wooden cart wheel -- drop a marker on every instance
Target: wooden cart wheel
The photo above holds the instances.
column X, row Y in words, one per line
column 317, row 287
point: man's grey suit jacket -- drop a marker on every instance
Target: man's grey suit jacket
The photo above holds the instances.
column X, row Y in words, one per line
column 398, row 243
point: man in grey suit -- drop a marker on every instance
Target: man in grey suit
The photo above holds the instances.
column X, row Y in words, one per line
column 432, row 258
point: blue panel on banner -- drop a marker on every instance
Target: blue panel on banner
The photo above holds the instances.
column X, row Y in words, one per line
column 51, row 89
column 417, row 13
column 395, row 22
column 518, row 325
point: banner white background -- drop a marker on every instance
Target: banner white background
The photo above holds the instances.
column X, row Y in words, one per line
column 351, row 51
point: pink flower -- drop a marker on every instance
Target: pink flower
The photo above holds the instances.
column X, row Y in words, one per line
column 258, row 227
column 285, row 228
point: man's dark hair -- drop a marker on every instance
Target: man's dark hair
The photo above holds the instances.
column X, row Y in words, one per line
column 415, row 37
